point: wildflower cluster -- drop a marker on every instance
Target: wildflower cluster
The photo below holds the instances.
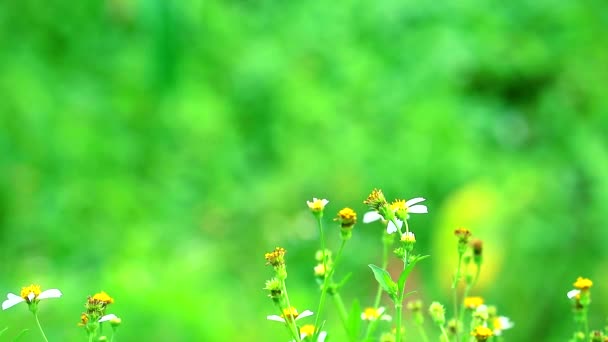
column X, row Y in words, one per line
column 580, row 297
column 373, row 322
column 91, row 319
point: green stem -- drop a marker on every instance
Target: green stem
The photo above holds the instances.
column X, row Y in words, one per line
column 386, row 242
column 288, row 326
column 398, row 311
column 444, row 333
column 40, row 327
column 291, row 322
column 425, row 338
column 586, row 324
column 467, row 290
column 457, row 316
column 399, row 302
column 341, row 311
column 325, row 280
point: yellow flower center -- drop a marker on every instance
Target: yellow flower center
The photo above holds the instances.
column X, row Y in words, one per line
column 398, row 205
column 26, row 291
column 347, row 217
column 276, row 257
column 307, row 330
column 320, row 270
column 370, row 314
column 473, row 302
column 316, row 204
column 290, row 313
column 583, row 283
column 482, row 333
column 103, row 298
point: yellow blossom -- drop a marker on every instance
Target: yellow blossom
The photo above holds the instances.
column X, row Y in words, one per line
column 473, row 302
column 583, row 283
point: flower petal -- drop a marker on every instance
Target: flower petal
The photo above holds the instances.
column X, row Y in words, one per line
column 371, row 216
column 275, row 318
column 50, row 293
column 322, row 336
column 107, row 318
column 505, row 323
column 11, row 301
column 324, row 201
column 391, row 228
column 380, row 310
column 304, row 313
column 386, row 318
column 413, row 201
column 573, row 293
column 418, row 209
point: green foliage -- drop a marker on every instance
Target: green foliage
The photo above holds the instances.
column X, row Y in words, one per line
column 154, row 149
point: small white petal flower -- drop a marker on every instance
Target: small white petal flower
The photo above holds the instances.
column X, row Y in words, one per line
column 308, row 330
column 573, row 293
column 317, row 205
column 291, row 312
column 409, row 207
column 502, row 323
column 371, row 314
column 29, row 294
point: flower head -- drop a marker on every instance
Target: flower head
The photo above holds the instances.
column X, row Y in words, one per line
column 31, row 295
column 275, row 287
column 473, row 302
column 376, row 200
column 463, row 235
column 372, row 314
column 290, row 314
column 482, row 333
column 408, row 237
column 276, row 258
column 308, row 330
column 501, row 323
column 583, row 284
column 102, row 297
column 317, row 205
column 347, row 218
column 437, row 312
column 399, row 208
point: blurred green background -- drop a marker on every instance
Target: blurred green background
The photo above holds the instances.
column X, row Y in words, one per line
column 156, row 149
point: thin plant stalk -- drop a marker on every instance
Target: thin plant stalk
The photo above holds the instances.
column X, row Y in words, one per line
column 40, row 327
column 457, row 314
column 399, row 301
column 325, row 280
column 291, row 322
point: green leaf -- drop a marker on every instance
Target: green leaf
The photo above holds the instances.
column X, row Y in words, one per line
column 406, row 272
column 384, row 279
column 354, row 321
column 20, row 334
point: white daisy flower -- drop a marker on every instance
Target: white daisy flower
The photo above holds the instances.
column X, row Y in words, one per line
column 372, row 314
column 501, row 323
column 29, row 294
column 410, row 207
column 317, row 204
column 289, row 314
column 308, row 330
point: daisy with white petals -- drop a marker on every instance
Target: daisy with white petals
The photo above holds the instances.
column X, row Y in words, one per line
column 308, row 331
column 372, row 314
column 289, row 315
column 31, row 295
column 409, row 207
column 501, row 323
